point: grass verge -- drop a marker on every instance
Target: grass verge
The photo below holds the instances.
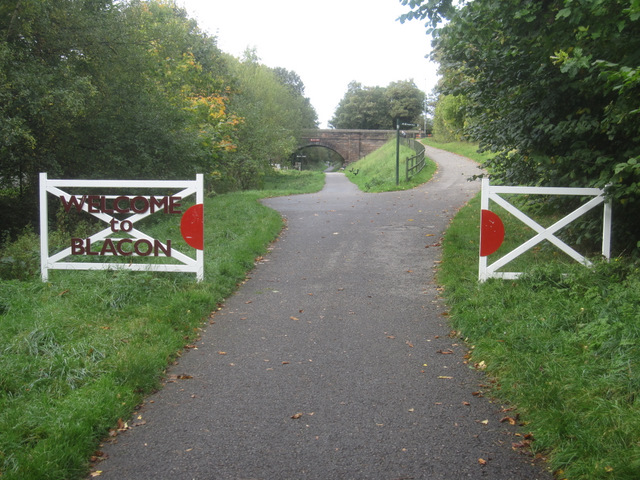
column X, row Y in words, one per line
column 81, row 351
column 466, row 149
column 561, row 344
column 377, row 171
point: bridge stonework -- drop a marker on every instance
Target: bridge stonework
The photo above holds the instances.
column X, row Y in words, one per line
column 352, row 145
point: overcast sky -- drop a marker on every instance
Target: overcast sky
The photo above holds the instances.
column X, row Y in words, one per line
column 328, row 43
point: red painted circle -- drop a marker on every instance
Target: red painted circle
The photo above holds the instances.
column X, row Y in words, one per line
column 192, row 226
column 491, row 233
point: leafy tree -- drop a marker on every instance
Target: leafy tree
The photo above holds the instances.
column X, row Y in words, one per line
column 98, row 88
column 272, row 113
column 293, row 82
column 378, row 108
column 406, row 101
column 551, row 87
column 131, row 89
column 365, row 108
column 449, row 118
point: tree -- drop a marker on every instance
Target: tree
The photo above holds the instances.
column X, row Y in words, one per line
column 406, row 101
column 551, row 87
column 449, row 118
column 98, row 88
column 378, row 108
column 272, row 113
column 365, row 108
column 291, row 80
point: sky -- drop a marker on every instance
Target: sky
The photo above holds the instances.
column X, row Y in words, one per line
column 328, row 43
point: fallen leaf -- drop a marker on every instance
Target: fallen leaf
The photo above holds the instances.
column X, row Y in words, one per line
column 445, row 352
column 466, row 404
column 485, row 422
column 184, row 377
column 294, row 318
column 297, row 415
column 97, row 473
column 482, row 461
column 520, row 445
column 443, row 376
column 222, row 353
column 409, row 343
column 511, row 420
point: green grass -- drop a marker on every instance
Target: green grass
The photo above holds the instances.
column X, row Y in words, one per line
column 561, row 344
column 81, row 351
column 377, row 171
column 466, row 149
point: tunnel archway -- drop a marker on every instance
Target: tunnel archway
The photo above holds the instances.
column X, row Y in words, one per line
column 317, row 157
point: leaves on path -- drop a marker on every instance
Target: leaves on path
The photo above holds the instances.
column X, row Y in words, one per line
column 510, row 420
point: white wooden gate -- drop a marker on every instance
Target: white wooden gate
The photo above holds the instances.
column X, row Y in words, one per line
column 138, row 243
column 492, row 193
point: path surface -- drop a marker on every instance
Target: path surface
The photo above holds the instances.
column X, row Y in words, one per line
column 328, row 363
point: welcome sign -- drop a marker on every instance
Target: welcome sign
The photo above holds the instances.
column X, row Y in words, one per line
column 119, row 236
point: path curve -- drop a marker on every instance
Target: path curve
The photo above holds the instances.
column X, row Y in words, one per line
column 337, row 362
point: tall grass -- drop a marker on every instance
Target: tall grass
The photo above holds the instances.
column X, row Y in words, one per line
column 81, row 351
column 561, row 344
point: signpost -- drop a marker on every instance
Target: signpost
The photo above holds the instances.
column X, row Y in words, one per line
column 120, row 213
column 398, row 125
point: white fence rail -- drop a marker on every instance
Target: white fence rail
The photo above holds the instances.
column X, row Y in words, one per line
column 105, row 208
column 492, row 193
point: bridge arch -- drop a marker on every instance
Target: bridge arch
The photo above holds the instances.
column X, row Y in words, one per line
column 351, row 145
column 317, row 157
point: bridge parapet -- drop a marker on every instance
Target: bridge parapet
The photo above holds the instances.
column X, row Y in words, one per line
column 352, row 145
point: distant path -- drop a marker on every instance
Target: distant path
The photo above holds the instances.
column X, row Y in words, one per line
column 333, row 360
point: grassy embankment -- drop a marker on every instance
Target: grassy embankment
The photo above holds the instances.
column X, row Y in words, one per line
column 377, row 171
column 561, row 344
column 80, row 352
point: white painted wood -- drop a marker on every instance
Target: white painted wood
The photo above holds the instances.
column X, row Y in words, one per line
column 55, row 261
column 492, row 193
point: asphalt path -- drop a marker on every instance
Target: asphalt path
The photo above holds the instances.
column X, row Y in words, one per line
column 334, row 360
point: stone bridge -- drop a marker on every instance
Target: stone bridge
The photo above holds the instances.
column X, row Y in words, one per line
column 351, row 145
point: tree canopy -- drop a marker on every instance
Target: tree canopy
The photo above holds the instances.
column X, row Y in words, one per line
column 551, row 87
column 379, row 108
column 132, row 89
